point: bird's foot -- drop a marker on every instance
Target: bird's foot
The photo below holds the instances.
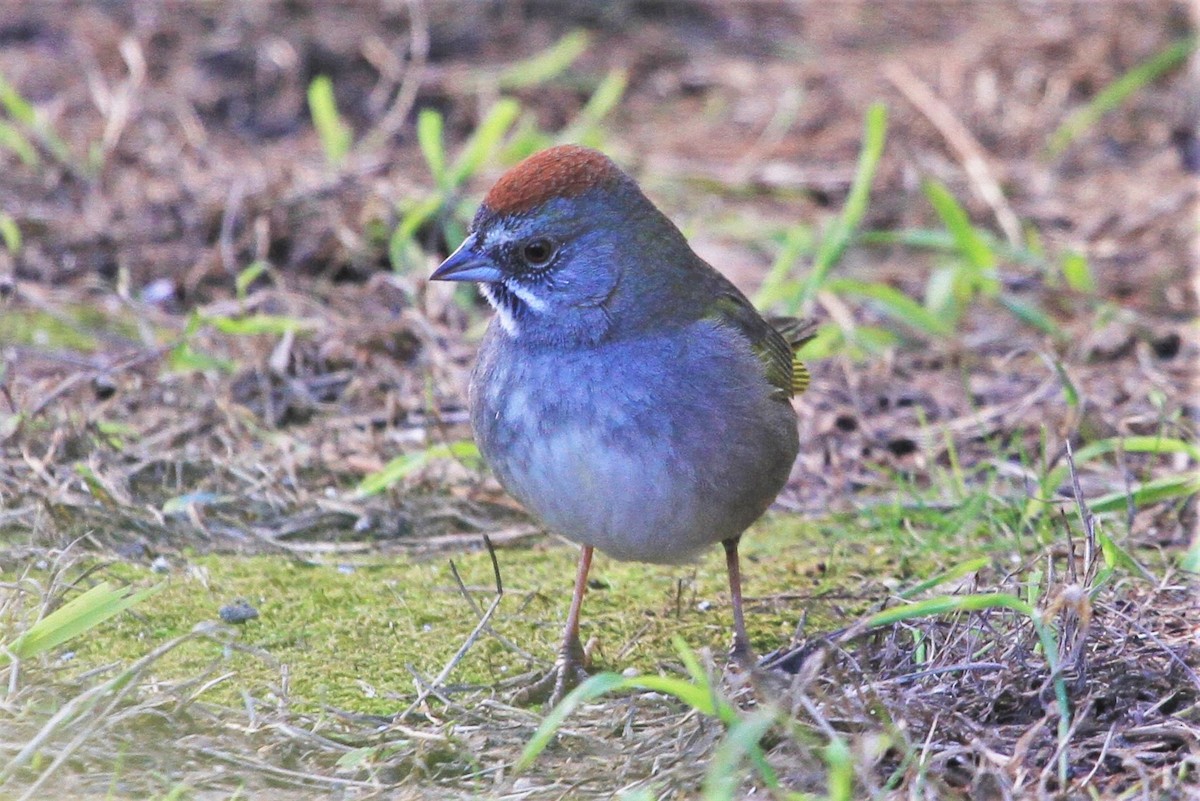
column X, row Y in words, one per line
column 570, row 670
column 741, row 656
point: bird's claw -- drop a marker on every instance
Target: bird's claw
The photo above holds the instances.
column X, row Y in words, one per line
column 569, row 671
column 741, row 656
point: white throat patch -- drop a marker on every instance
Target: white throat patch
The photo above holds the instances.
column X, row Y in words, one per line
column 506, row 318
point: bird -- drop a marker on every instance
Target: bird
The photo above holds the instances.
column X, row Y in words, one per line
column 626, row 393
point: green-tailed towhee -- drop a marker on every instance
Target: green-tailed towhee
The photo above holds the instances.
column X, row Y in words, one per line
column 626, row 393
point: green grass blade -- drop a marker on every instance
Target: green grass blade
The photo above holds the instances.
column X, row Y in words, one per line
column 12, row 139
column 594, row 687
column 15, row 105
column 837, row 238
column 939, row 294
column 640, row 794
column 696, row 696
column 953, row 573
column 978, row 602
column 485, row 139
column 407, row 228
column 433, row 147
column 405, row 465
column 776, row 286
column 604, row 99
column 94, row 485
column 1139, row 444
column 1070, row 391
column 1094, row 450
column 184, row 358
column 894, row 303
column 970, row 243
column 941, row 241
column 1191, row 560
column 1117, row 92
column 1116, row 556
column 333, row 132
column 949, row 603
column 1159, row 489
column 10, row 233
column 76, row 616
column 723, row 777
column 548, row 64
column 179, row 504
column 22, row 112
column 1077, row 272
column 248, row 276
column 917, row 238
column 1032, row 316
column 690, row 663
column 261, row 324
column 709, row 701
column 841, row 771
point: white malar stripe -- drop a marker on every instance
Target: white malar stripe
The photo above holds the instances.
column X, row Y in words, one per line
column 528, row 298
column 506, row 318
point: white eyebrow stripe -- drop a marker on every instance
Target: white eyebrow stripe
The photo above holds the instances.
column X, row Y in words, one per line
column 528, row 298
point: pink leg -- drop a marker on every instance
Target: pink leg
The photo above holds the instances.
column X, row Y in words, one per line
column 741, row 652
column 571, row 655
column 568, row 668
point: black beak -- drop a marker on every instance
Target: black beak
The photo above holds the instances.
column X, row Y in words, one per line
column 465, row 264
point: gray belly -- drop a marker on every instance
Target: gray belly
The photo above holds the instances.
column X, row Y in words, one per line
column 621, row 449
column 630, row 503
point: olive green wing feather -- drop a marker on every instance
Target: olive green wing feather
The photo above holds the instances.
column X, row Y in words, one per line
column 774, row 343
column 797, row 332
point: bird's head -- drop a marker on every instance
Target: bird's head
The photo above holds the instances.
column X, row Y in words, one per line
column 565, row 246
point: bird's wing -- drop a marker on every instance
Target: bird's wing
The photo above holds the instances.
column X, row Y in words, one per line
column 774, row 345
column 796, row 331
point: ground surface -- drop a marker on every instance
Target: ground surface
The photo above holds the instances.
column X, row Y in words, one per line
column 204, row 349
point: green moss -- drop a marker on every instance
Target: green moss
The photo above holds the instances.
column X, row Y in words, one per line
column 344, row 637
column 79, row 327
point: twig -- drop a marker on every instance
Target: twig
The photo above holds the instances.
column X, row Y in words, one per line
column 82, row 709
column 458, row 656
column 962, row 668
column 283, row 774
column 924, row 760
column 425, row 686
column 1061, row 755
column 787, row 108
column 233, row 204
column 73, row 380
column 480, row 627
column 466, row 594
column 970, row 152
column 491, row 549
column 1150, row 635
column 1099, row 759
column 831, row 733
column 418, row 49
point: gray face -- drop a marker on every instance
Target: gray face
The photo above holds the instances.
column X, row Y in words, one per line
column 558, row 263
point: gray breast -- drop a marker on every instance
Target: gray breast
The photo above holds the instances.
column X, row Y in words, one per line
column 648, row 450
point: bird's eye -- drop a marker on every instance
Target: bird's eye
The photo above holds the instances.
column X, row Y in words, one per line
column 537, row 252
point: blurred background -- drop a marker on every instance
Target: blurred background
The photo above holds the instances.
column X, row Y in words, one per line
column 216, row 334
